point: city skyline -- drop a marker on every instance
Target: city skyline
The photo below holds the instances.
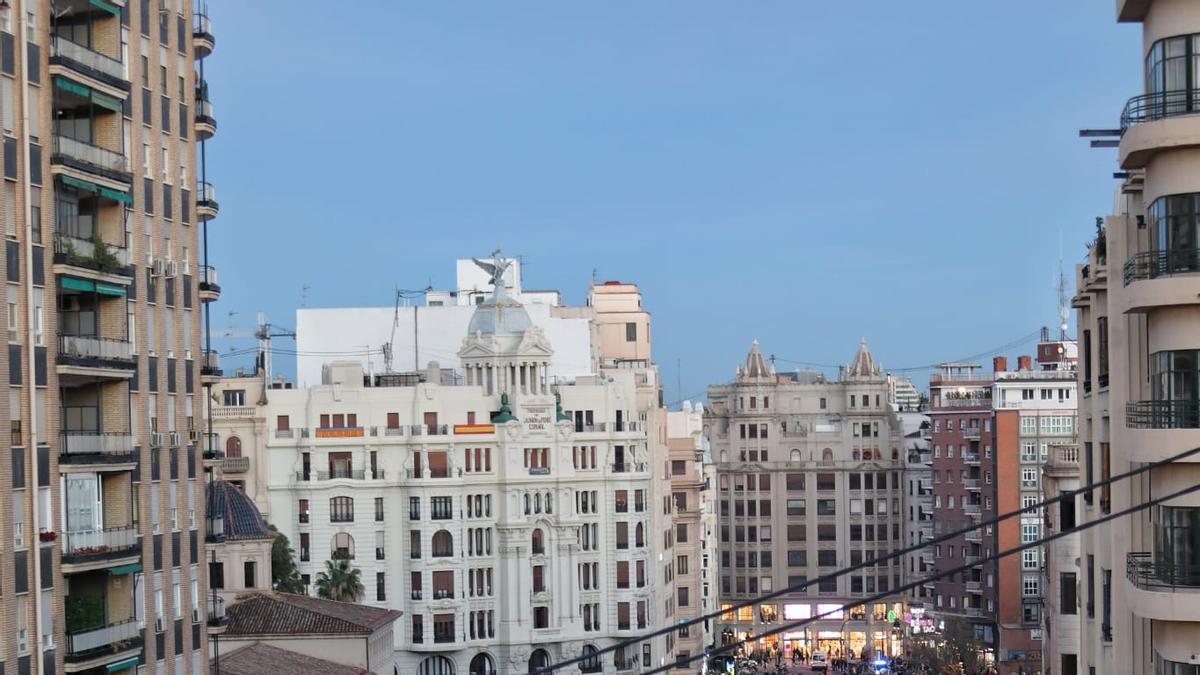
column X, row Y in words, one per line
column 500, row 144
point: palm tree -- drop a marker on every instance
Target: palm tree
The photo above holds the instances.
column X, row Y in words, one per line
column 340, row 582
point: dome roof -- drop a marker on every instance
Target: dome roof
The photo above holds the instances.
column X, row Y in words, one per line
column 500, row 314
column 243, row 520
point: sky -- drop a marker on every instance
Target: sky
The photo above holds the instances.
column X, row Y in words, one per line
column 802, row 173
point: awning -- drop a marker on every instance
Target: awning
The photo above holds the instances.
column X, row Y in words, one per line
column 76, row 284
column 110, row 8
column 105, row 101
column 115, row 195
column 104, row 288
column 128, row 663
column 125, row 569
column 73, row 87
column 100, row 99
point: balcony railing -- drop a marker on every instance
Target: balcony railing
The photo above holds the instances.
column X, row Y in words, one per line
column 216, row 611
column 1160, row 105
column 205, row 114
column 96, row 443
column 208, row 277
column 1166, row 414
column 428, row 430
column 210, row 363
column 628, row 467
column 206, row 193
column 95, row 348
column 99, row 639
column 1154, row 264
column 971, row 433
column 98, row 542
column 64, row 48
column 82, row 252
column 1151, row 572
column 216, row 528
column 972, row 483
column 94, row 155
column 970, row 457
column 965, row 402
column 235, row 464
column 234, row 411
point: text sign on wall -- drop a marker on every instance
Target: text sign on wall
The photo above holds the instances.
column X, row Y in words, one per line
column 538, row 419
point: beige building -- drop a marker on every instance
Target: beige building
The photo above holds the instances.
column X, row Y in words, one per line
column 691, row 494
column 1139, row 326
column 102, row 109
column 810, row 478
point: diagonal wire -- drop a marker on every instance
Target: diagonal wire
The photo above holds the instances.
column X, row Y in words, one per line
column 935, row 576
column 801, row 587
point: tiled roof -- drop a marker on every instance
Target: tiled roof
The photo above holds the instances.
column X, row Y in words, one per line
column 260, row 658
column 270, row 613
column 242, row 518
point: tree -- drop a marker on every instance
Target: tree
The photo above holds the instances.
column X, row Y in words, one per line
column 340, row 582
column 956, row 652
column 284, row 577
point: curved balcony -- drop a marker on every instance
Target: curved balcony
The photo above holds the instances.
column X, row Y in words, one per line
column 217, row 622
column 1161, row 279
column 206, row 200
column 206, row 120
column 1158, row 121
column 203, row 41
column 1165, row 428
column 1162, row 589
column 210, row 366
column 210, row 290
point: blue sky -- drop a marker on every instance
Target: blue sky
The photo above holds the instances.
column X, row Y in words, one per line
column 803, row 173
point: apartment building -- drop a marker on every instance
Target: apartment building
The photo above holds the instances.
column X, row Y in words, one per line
column 517, row 517
column 1034, row 421
column 918, row 488
column 101, row 109
column 783, row 442
column 1061, row 568
column 691, row 494
column 964, row 494
column 1140, row 336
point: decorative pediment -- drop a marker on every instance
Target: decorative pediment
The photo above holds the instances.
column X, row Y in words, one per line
column 534, row 342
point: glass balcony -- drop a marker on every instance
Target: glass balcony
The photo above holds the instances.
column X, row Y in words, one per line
column 1166, row 414
column 206, row 119
column 206, row 200
column 108, row 543
column 216, row 612
column 96, row 352
column 92, row 158
column 1155, row 264
column 113, row 446
column 209, row 288
column 111, row 638
column 87, row 62
column 203, row 40
column 106, row 259
column 210, row 364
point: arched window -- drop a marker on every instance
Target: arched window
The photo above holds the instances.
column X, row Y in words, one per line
column 436, row 665
column 795, row 456
column 527, row 511
column 827, row 455
column 343, row 546
column 854, row 454
column 549, row 509
column 482, row 664
column 537, row 503
column 724, row 456
column 539, row 542
column 443, row 544
column 591, row 660
column 639, row 536
column 539, row 659
column 341, row 510
column 233, row 447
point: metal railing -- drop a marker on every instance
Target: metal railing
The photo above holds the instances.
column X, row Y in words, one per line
column 201, row 24
column 205, row 112
column 971, row 433
column 208, row 276
column 89, row 347
column 235, row 464
column 67, row 49
column 210, row 362
column 95, row 443
column 85, row 641
column 216, row 611
column 1149, row 571
column 966, row 402
column 1154, row 264
column 91, row 154
column 972, row 483
column 1166, row 414
column 628, row 467
column 89, row 542
column 1160, row 105
column 970, row 457
column 205, row 192
column 85, row 248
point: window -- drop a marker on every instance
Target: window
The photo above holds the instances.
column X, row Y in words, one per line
column 341, row 510
column 302, row 510
column 1030, row 585
column 379, row 509
column 304, row 547
column 248, row 573
column 538, row 542
column 441, row 508
column 234, row 397
column 631, row 332
column 1067, row 593
column 443, row 544
column 1028, row 425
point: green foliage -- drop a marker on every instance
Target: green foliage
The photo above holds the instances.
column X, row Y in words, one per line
column 284, row 576
column 340, row 582
column 84, row 612
column 957, row 651
column 102, row 256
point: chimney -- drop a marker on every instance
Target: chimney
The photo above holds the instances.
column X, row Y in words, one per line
column 1024, row 363
column 999, row 364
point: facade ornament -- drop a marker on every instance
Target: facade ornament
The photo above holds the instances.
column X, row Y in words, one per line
column 505, row 414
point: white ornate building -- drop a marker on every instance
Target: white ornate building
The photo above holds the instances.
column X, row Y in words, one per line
column 514, row 517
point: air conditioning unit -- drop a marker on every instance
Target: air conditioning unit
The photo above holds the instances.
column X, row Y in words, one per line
column 175, row 438
column 158, row 268
column 172, row 269
column 156, row 439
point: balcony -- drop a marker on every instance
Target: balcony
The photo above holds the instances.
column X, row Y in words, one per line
column 210, row 366
column 96, row 447
column 216, row 528
column 1161, row 588
column 210, row 290
column 225, row 412
column 1164, row 414
column 1156, row 121
column 973, row 586
column 95, row 357
column 963, row 402
column 92, row 159
column 1064, row 462
column 971, row 433
column 210, row 448
column 972, row 484
column 628, row 467
column 206, row 121
column 974, row 536
column 971, row 458
column 1155, row 264
column 203, row 40
column 427, row 430
column 340, row 474
column 109, row 545
column 217, row 621
column 94, row 66
column 973, row 510
column 235, row 465
column 206, row 200
column 109, row 641
column 96, row 258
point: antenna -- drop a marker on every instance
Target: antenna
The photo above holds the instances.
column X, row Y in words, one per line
column 1063, row 306
column 304, row 295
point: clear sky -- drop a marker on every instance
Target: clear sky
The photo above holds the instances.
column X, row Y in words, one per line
column 805, row 173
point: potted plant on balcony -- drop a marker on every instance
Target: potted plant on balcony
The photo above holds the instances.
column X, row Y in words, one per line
column 102, row 256
column 47, row 536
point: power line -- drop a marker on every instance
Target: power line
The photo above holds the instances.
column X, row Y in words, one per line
column 994, row 350
column 801, row 587
column 935, row 576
